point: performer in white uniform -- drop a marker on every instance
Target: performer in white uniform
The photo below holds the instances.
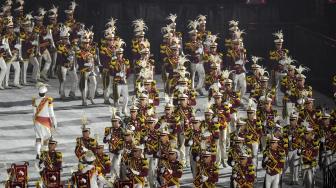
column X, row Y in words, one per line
column 43, row 118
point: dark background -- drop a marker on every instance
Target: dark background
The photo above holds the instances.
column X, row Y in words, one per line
column 309, row 25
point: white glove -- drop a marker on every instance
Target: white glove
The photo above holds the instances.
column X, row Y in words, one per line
column 34, row 43
column 83, row 180
column 162, row 170
column 145, row 138
column 135, row 172
column 204, row 178
column 17, row 46
column 108, row 137
column 53, row 178
column 87, row 64
column 323, row 139
column 197, row 158
column 190, row 142
column 84, row 149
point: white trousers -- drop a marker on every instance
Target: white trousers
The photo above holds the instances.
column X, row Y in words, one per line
column 308, row 177
column 153, row 162
column 36, row 68
column 222, row 144
column 89, row 88
column 294, row 165
column 3, row 70
column 42, row 134
column 199, row 69
column 255, row 147
column 278, row 93
column 122, row 90
column 272, row 181
column 47, row 62
column 115, row 159
column 108, row 90
column 239, row 83
column 16, row 66
column 63, row 76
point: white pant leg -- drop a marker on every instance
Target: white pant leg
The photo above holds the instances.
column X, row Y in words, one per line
column 255, row 147
column 193, row 73
column 24, row 71
column 242, row 84
column 74, row 80
column 152, row 171
column 272, row 181
column 123, row 90
column 308, row 178
column 63, row 73
column 92, row 86
column 116, row 164
column 47, row 59
column 3, row 70
column 9, row 65
column 201, row 75
column 36, row 68
column 222, row 143
column 17, row 69
column 108, row 89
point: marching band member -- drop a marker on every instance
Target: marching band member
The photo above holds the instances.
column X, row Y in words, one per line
column 114, row 136
column 120, row 68
column 43, row 117
column 53, row 33
column 276, row 55
column 237, row 52
column 266, row 115
column 213, row 60
column 194, row 48
column 85, row 143
column 28, row 50
column 43, row 41
column 12, row 53
column 287, row 85
column 252, row 81
column 66, row 62
column 107, row 53
column 329, row 135
column 170, row 121
column 253, row 131
column 243, row 172
column 222, row 114
column 103, row 160
column 171, row 170
column 309, row 153
column 137, row 167
column 139, row 36
column 50, row 165
column 273, row 162
column 89, row 174
column 296, row 135
column 86, row 65
column 207, row 174
column 184, row 112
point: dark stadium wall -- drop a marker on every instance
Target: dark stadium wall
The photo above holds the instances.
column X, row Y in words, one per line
column 301, row 20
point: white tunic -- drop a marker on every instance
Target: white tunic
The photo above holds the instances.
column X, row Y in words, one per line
column 43, row 117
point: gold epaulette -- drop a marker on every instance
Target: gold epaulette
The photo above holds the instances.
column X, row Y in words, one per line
column 126, row 61
column 59, row 155
column 93, row 141
column 78, row 140
column 106, row 157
